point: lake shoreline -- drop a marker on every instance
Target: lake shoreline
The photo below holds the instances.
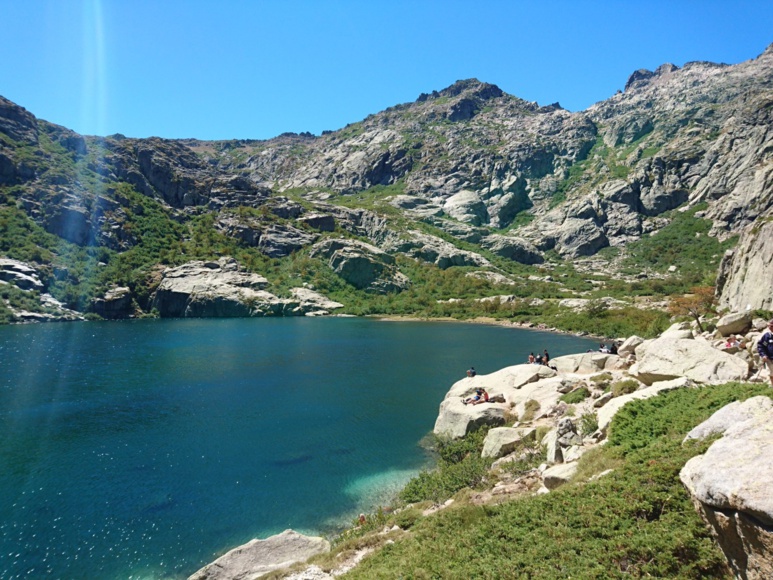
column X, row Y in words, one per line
column 484, row 320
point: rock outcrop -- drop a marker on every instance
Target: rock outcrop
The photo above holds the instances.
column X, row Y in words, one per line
column 669, row 358
column 20, row 274
column 222, row 289
column 257, row 558
column 503, row 440
column 745, row 272
column 729, row 485
column 362, row 265
column 115, row 303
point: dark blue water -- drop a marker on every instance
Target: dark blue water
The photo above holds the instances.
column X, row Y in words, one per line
column 147, row 448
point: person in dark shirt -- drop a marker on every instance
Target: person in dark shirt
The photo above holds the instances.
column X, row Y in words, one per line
column 765, row 350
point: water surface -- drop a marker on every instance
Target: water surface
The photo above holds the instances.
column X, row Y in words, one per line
column 147, row 448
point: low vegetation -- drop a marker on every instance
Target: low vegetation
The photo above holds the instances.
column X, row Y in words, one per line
column 624, row 387
column 460, row 466
column 638, row 523
column 576, row 396
column 683, row 244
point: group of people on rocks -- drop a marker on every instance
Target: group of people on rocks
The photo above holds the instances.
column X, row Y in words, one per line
column 480, row 396
column 764, row 349
column 611, row 349
column 540, row 359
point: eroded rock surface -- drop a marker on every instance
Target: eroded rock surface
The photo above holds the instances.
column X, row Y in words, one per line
column 668, row 358
column 221, row 289
column 259, row 557
column 730, row 486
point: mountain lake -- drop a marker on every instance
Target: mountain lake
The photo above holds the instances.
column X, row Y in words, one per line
column 148, row 448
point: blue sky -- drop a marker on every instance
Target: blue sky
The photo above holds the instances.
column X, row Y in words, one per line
column 254, row 69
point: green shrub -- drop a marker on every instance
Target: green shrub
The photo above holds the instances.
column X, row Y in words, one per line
column 589, row 423
column 530, row 409
column 602, row 378
column 674, row 412
column 459, row 466
column 531, row 455
column 448, row 478
column 575, row 396
column 624, row 387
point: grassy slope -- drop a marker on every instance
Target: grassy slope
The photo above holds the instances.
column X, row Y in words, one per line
column 637, row 522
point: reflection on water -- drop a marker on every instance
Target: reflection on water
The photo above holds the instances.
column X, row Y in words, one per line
column 147, row 448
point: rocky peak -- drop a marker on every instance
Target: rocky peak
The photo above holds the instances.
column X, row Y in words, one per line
column 472, row 87
column 18, row 123
column 643, row 77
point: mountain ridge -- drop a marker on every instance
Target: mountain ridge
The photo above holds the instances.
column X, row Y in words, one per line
column 480, row 170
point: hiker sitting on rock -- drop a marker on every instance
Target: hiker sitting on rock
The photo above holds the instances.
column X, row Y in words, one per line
column 480, row 396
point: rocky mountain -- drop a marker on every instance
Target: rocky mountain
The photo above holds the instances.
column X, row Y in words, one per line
column 468, row 176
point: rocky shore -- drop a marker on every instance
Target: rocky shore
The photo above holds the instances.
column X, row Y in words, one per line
column 528, row 402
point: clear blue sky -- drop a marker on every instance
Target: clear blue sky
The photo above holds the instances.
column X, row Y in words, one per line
column 253, row 69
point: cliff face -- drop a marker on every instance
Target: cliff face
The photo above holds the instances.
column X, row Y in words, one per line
column 481, row 167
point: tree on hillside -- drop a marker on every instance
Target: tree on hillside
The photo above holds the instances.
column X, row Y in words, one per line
column 699, row 302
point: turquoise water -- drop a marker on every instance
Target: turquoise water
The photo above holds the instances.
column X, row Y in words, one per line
column 145, row 449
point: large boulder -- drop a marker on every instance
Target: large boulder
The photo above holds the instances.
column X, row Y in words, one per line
column 436, row 251
column 456, row 419
column 312, row 299
column 629, row 345
column 467, row 207
column 259, row 557
column 580, row 237
column 678, row 330
column 503, row 440
column 559, row 475
column 278, row 241
column 585, row 363
column 729, row 415
column 507, row 381
column 730, row 487
column 515, row 249
column 734, row 323
column 668, row 358
column 209, row 289
column 319, row 221
column 221, row 289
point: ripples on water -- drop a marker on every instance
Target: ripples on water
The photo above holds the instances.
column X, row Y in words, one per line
column 147, row 448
